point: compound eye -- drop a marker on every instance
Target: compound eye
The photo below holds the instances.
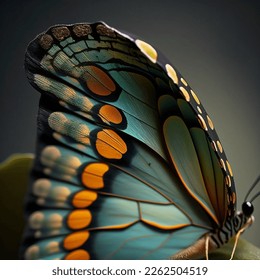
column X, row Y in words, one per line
column 247, row 208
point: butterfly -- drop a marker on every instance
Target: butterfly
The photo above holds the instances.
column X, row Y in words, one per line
column 128, row 163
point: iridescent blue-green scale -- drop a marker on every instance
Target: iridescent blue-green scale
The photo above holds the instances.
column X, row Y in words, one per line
column 121, row 170
column 142, row 242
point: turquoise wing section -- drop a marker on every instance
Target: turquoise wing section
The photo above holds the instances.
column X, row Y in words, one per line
column 107, row 182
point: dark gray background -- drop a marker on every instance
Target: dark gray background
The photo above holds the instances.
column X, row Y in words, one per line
column 214, row 44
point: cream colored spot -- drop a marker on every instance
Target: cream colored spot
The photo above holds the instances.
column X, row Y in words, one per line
column 184, row 82
column 228, row 181
column 38, row 234
column 57, row 136
column 73, row 80
column 229, row 168
column 81, row 147
column 68, row 177
column 214, row 146
column 60, row 193
column 147, row 49
column 69, row 93
column 61, row 124
column 82, row 134
column 219, row 147
column 74, row 162
column 47, row 171
column 40, row 201
column 86, row 104
column 49, row 155
column 41, row 187
column 185, row 93
column 58, row 121
column 211, row 125
column 63, row 104
column 171, row 73
column 195, row 97
column 36, row 220
column 52, row 247
column 199, row 110
column 202, row 122
column 55, row 232
column 32, row 253
column 55, row 221
column 222, row 164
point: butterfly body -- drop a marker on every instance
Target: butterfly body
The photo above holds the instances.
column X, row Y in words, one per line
column 128, row 165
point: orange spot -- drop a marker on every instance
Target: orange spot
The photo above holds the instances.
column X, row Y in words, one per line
column 229, row 168
column 171, row 73
column 185, row 93
column 79, row 219
column 219, row 146
column 111, row 114
column 110, row 145
column 222, row 164
column 195, row 97
column 92, row 176
column 233, row 198
column 84, row 198
column 75, row 240
column 211, row 125
column 98, row 81
column 78, row 255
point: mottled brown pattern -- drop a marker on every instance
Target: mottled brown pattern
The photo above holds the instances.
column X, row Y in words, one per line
column 81, row 30
column 103, row 30
column 60, row 32
column 45, row 41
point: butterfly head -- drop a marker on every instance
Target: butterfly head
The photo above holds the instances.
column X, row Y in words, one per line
column 247, row 206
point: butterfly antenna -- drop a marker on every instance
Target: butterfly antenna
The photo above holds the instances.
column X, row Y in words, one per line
column 250, row 190
column 255, row 196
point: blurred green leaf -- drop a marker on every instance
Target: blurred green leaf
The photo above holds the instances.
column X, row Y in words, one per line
column 14, row 179
column 244, row 251
column 14, row 176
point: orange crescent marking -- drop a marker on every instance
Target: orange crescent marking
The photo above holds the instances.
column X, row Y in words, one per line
column 75, row 240
column 79, row 219
column 110, row 145
column 110, row 114
column 84, row 199
column 79, row 254
column 93, row 175
column 98, row 81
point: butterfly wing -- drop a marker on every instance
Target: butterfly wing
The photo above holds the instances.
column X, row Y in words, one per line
column 128, row 161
